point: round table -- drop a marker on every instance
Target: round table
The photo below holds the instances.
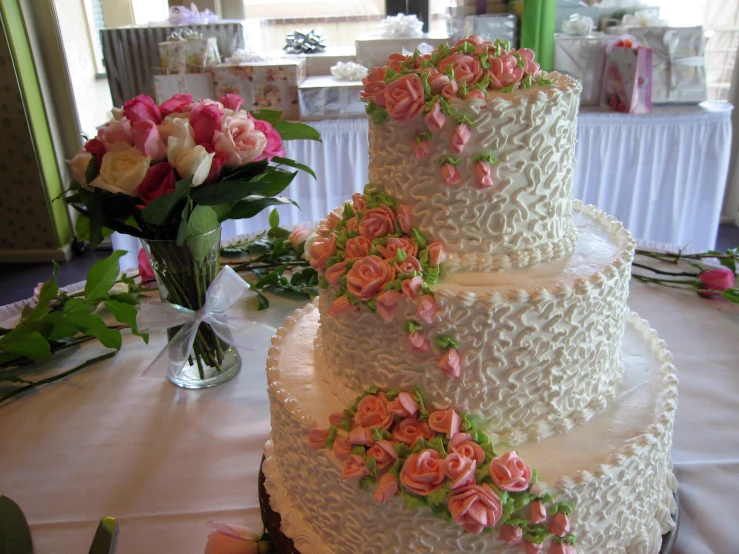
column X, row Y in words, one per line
column 164, row 461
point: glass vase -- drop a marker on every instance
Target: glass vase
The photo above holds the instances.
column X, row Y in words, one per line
column 183, row 273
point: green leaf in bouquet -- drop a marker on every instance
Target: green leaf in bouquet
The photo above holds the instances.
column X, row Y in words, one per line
column 732, row 295
column 272, row 278
column 62, row 328
column 125, row 313
column 251, row 206
column 274, row 219
column 728, row 262
column 263, row 302
column 246, row 172
column 296, row 131
column 270, row 116
column 31, row 345
column 159, row 209
column 222, row 211
column 203, row 219
column 271, row 183
column 95, row 209
column 49, row 291
column 125, row 297
column 92, row 170
column 102, row 276
column 278, row 233
column 79, row 306
column 292, row 163
column 92, row 325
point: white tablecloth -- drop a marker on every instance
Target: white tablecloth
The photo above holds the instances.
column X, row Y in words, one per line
column 164, row 460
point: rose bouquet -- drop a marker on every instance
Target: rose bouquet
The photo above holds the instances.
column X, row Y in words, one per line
column 170, row 174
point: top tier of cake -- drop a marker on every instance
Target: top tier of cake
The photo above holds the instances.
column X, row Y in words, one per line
column 487, row 169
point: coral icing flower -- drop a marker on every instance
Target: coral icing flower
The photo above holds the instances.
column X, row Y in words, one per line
column 412, row 287
column 537, row 512
column 445, row 421
column 384, row 454
column 418, row 342
column 387, row 486
column 359, row 202
column 527, row 54
column 410, row 430
column 436, row 80
column 356, row 248
column 475, row 507
column 368, row 277
column 426, row 308
column 354, row 469
column 467, row 69
column 422, row 473
column 372, row 412
column 421, row 148
column 560, row 524
column 405, row 98
column 450, row 363
column 504, row 71
column 476, row 93
column 484, row 175
column 317, row 438
column 403, row 406
column 409, row 265
column 450, row 174
column 336, row 418
column 435, row 119
column 342, row 306
column 532, row 547
column 374, row 86
column 377, row 223
column 437, row 254
column 395, row 60
column 716, row 280
column 361, row 436
column 405, row 218
column 387, row 304
column 321, row 250
column 335, row 272
column 461, row 137
column 463, row 445
column 460, row 470
column 342, row 447
column 512, row 534
column 450, row 91
column 393, row 244
column 510, row 473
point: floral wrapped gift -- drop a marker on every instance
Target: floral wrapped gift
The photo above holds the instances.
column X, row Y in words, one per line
column 197, row 85
column 627, row 78
column 188, row 51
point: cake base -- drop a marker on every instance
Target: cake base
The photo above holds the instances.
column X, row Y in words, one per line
column 284, row 544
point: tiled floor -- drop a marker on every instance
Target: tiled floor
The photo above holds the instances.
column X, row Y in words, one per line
column 17, row 281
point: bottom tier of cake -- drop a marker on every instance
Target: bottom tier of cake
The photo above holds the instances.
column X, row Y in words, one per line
column 615, row 469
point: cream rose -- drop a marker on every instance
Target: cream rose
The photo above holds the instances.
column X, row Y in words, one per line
column 122, row 170
column 194, row 163
column 78, row 166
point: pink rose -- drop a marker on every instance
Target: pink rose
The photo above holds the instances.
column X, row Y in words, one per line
column 436, row 80
column 421, row 473
column 409, row 265
column 146, row 139
column 372, row 412
column 437, row 254
column 395, row 60
column 460, row 470
column 512, row 534
column 334, row 272
column 274, row 141
column 384, row 454
column 475, row 507
column 504, row 71
column 368, row 277
column 377, row 223
column 217, row 163
column 426, row 308
column 178, row 103
column 393, row 244
column 527, row 54
column 559, row 525
column 467, row 69
column 336, row 418
column 359, row 202
column 341, row 306
column 142, row 108
column 450, row 363
column 510, row 473
column 205, row 121
column 145, row 270
column 461, row 137
column 342, row 447
column 317, row 438
column 450, row 91
column 387, row 304
column 354, row 468
column 403, row 406
column 445, row 421
column 116, row 131
column 361, row 436
column 231, row 539
column 357, row 248
column 418, row 342
column 240, row 140
column 298, row 236
column 159, row 179
column 716, row 280
column 421, row 148
column 405, row 98
column 387, row 486
column 435, row 119
column 484, row 175
column 476, row 93
column 410, row 430
column 463, row 445
column 405, row 218
column 561, row 548
column 232, row 101
column 412, row 287
column 450, row 174
column 537, row 512
column 321, row 250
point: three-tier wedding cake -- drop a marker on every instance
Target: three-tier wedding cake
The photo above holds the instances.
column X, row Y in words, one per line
column 470, row 378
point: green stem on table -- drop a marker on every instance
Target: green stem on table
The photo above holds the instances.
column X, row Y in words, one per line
column 675, row 258
column 665, row 281
column 660, row 272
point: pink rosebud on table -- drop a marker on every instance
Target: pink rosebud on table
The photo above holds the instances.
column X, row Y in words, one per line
column 354, row 469
column 512, row 534
column 510, row 473
column 537, row 512
column 418, row 342
column 484, row 175
column 449, row 174
column 445, row 421
column 460, row 470
column 560, row 524
column 716, row 281
column 298, row 236
column 451, row 363
column 435, row 119
column 387, row 486
column 475, row 507
column 317, row 438
column 461, row 137
column 231, row 539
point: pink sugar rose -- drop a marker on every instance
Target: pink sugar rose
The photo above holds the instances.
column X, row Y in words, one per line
column 475, row 507
column 445, row 421
column 436, row 80
column 205, row 121
column 504, row 71
column 461, row 137
column 342, row 447
column 437, row 254
column 239, row 139
column 460, row 470
column 298, row 236
column 476, row 93
column 412, row 287
column 317, row 438
column 321, row 250
column 716, row 280
column 451, row 363
column 372, row 412
column 359, row 202
column 331, row 220
column 342, row 306
column 418, row 342
column 274, row 141
column 450, row 174
column 142, row 108
column 421, row 473
column 559, row 525
column 393, row 244
column 368, row 277
column 512, row 534
column 387, row 487
column 408, row 265
column 510, row 473
column 403, row 406
column 474, row 40
column 387, row 304
column 405, row 98
column 426, row 308
column 377, row 222
column 537, row 512
column 374, row 86
column 147, row 140
column 463, row 445
column 532, row 547
column 410, row 430
column 405, row 218
column 334, row 272
column 354, row 469
column 435, row 119
column 467, row 69
column 116, row 131
column 361, row 436
column 178, row 103
column 384, row 454
column 352, row 224
column 450, row 91
column 484, row 175
column 561, row 548
column 232, row 101
column 395, row 60
column 336, row 418
column 527, row 54
column 421, row 148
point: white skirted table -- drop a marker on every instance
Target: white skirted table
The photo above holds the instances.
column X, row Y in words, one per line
column 164, row 461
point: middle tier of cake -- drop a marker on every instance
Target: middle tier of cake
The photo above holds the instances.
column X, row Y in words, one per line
column 526, row 339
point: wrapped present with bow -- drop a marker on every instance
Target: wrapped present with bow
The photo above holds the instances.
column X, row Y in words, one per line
column 627, row 77
column 188, row 51
column 678, row 63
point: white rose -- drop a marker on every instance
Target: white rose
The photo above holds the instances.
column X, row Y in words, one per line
column 194, row 163
column 167, row 126
column 180, row 140
column 78, row 166
column 122, row 170
column 118, row 288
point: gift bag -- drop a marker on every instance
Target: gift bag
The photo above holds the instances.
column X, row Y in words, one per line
column 187, row 51
column 627, row 78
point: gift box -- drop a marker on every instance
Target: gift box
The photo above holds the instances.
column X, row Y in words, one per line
column 200, row 85
column 269, row 85
column 321, row 63
column 489, row 27
column 627, row 80
column 374, row 50
column 189, row 54
column 583, row 58
column 679, row 63
column 324, row 97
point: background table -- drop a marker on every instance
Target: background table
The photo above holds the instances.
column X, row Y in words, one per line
column 662, row 174
column 164, row 460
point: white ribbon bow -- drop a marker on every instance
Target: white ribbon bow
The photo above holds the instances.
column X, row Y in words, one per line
column 578, row 25
column 643, row 18
column 349, row 71
column 222, row 293
column 401, row 25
